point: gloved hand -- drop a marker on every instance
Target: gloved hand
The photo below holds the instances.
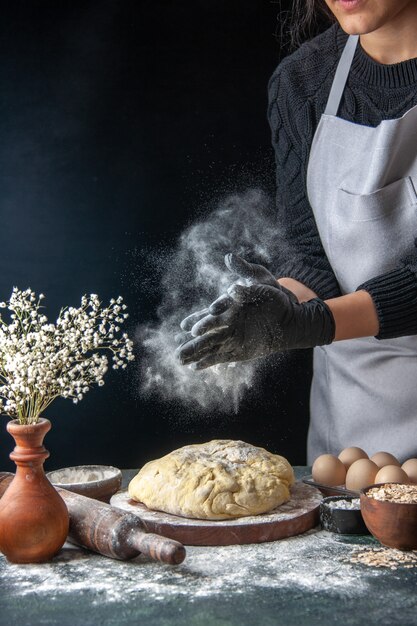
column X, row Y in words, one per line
column 254, row 320
column 249, row 274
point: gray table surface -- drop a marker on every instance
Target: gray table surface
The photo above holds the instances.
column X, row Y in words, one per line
column 304, row 580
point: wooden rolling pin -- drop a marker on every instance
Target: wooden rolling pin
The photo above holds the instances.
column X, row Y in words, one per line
column 111, row 532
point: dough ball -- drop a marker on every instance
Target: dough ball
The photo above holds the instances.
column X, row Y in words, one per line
column 220, row 479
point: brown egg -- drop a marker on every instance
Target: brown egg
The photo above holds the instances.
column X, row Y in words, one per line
column 384, row 458
column 352, row 454
column 328, row 470
column 361, row 474
column 410, row 468
column 391, row 474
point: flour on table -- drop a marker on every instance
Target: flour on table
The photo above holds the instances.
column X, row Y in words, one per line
column 309, row 562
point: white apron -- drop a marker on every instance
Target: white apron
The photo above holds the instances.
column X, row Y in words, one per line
column 361, row 184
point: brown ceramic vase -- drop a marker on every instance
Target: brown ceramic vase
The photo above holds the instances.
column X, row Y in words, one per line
column 33, row 517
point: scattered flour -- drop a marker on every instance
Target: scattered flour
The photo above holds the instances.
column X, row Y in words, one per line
column 308, row 562
column 191, row 277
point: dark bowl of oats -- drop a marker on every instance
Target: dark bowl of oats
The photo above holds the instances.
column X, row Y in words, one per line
column 390, row 513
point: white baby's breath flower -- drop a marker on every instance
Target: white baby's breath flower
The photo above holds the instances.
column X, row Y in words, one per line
column 40, row 361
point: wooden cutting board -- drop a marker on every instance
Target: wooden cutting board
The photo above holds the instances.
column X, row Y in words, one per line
column 294, row 517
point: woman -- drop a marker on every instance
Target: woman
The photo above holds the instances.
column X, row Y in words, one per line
column 343, row 113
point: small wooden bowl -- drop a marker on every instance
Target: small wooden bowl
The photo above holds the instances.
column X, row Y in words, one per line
column 394, row 524
column 94, row 481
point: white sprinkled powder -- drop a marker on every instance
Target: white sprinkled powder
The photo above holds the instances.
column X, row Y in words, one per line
column 81, row 475
column 312, row 561
column 193, row 276
column 353, row 504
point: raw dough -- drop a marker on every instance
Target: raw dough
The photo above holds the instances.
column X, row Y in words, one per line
column 220, row 479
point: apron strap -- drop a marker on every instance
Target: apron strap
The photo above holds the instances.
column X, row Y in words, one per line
column 341, row 75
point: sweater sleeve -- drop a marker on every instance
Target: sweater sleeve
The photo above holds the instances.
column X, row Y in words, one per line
column 395, row 297
column 302, row 256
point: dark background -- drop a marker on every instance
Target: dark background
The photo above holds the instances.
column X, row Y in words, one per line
column 119, row 120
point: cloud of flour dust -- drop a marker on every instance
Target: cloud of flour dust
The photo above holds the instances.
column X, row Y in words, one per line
column 193, row 275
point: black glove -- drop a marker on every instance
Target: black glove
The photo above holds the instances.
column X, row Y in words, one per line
column 249, row 274
column 254, row 320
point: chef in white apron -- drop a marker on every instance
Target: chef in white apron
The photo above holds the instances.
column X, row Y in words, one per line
column 361, row 184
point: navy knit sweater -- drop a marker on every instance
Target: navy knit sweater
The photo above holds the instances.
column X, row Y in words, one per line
column 298, row 92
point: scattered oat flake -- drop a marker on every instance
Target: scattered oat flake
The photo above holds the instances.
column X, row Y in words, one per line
column 383, row 557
